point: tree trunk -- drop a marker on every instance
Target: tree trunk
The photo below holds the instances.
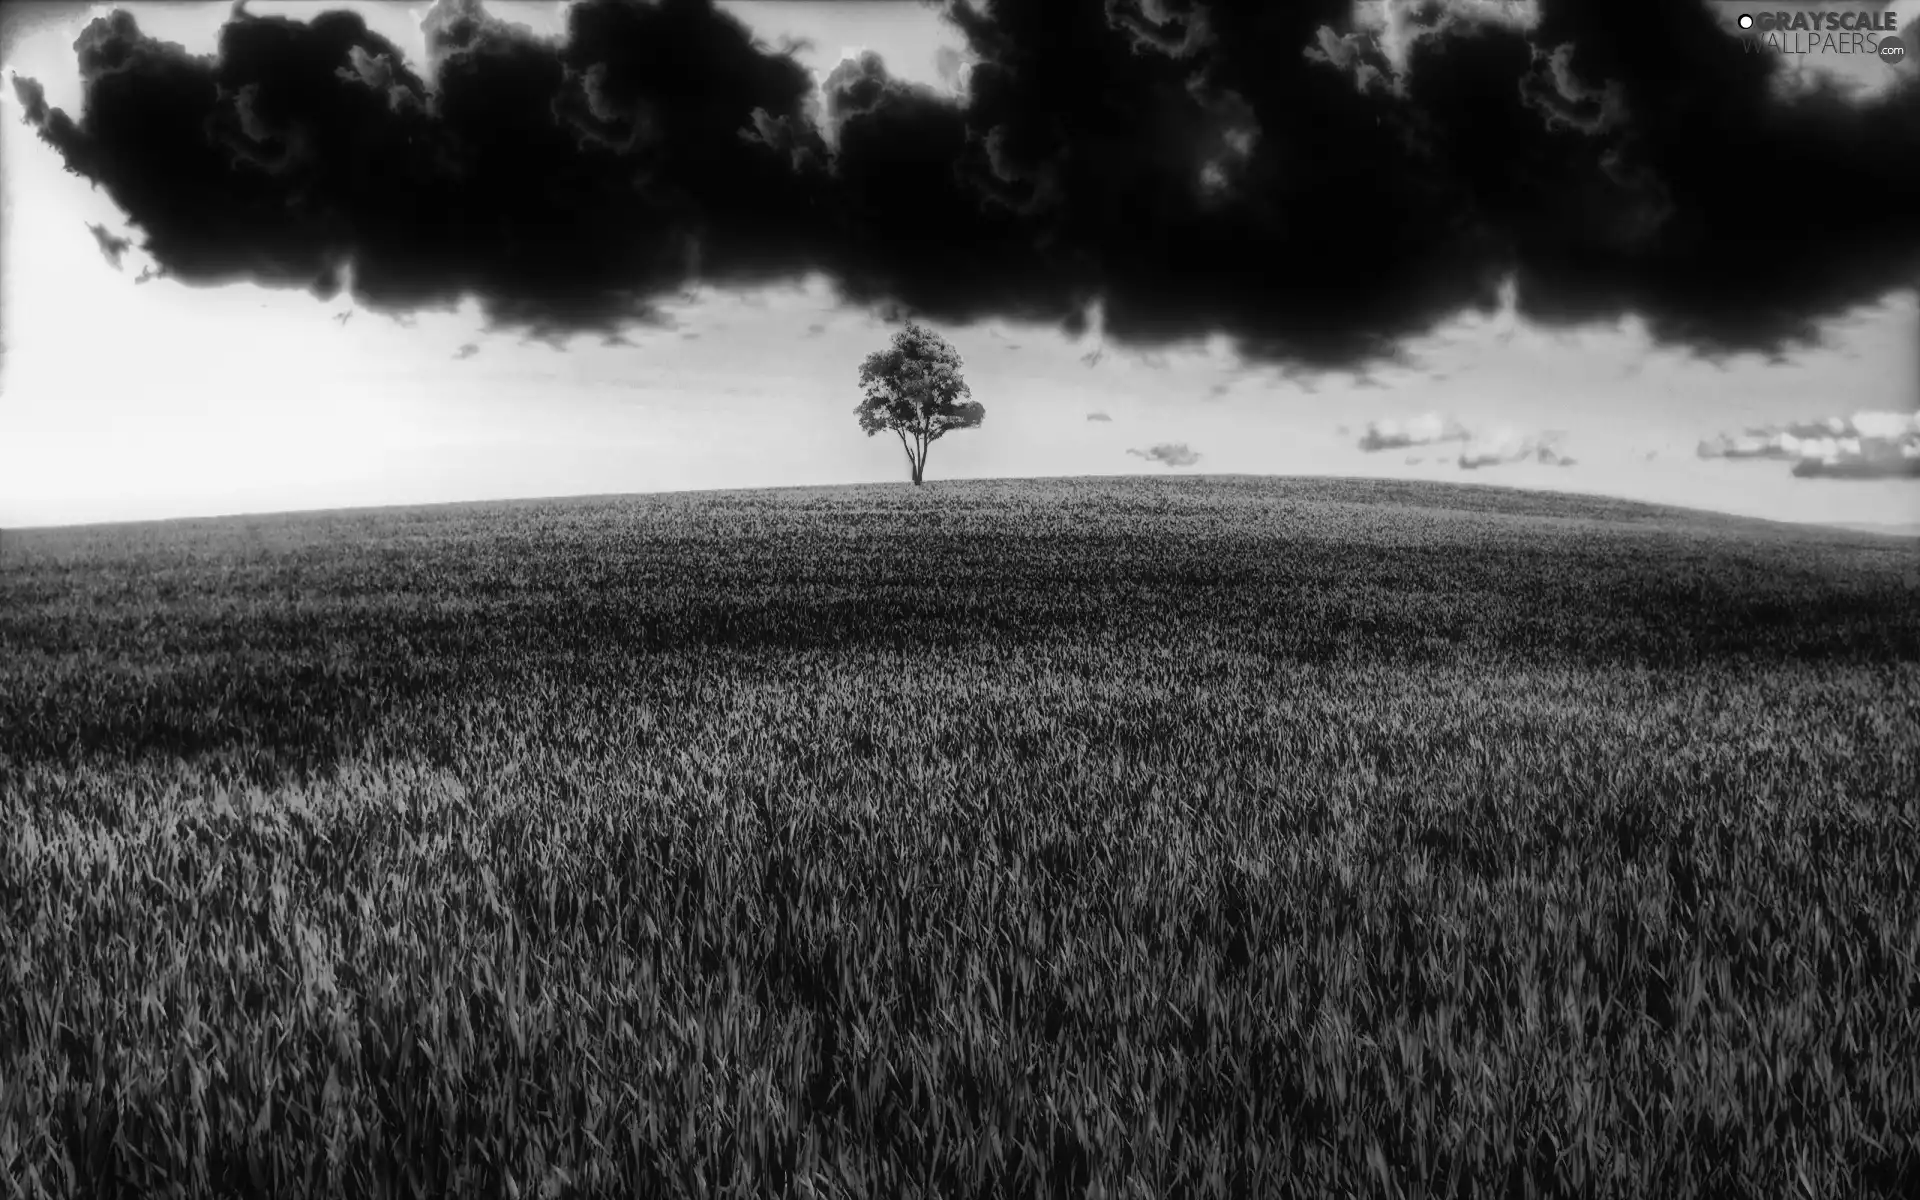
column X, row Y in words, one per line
column 913, row 467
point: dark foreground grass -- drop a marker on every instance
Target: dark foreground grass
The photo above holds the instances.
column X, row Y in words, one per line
column 1130, row 838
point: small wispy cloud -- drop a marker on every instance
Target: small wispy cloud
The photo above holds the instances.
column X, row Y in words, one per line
column 1506, row 446
column 815, row 330
column 1875, row 463
column 1296, row 380
column 1866, row 445
column 951, row 66
column 1173, row 454
column 1478, row 448
column 111, row 247
column 1098, row 416
column 466, row 351
column 1782, row 442
column 1424, row 430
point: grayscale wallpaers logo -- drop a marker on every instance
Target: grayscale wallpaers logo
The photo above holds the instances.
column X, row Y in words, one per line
column 1801, row 32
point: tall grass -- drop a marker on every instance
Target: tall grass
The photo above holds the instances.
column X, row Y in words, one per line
column 1124, row 838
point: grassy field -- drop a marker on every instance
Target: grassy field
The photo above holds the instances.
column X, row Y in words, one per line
column 1141, row 837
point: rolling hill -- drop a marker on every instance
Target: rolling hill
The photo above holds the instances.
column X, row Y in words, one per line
column 1206, row 835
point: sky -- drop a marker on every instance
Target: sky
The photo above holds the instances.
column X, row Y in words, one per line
column 453, row 252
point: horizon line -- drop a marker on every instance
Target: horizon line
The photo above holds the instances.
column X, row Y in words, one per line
column 1886, row 528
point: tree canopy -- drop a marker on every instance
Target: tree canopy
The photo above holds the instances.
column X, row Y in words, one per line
column 914, row 388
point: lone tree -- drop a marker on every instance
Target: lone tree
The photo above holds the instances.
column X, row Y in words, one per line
column 913, row 387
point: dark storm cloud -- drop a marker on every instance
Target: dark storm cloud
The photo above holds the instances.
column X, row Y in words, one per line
column 111, row 248
column 567, row 184
column 1308, row 196
column 33, row 100
column 1174, row 454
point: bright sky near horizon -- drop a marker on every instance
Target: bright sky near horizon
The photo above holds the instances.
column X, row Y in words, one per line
column 122, row 399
